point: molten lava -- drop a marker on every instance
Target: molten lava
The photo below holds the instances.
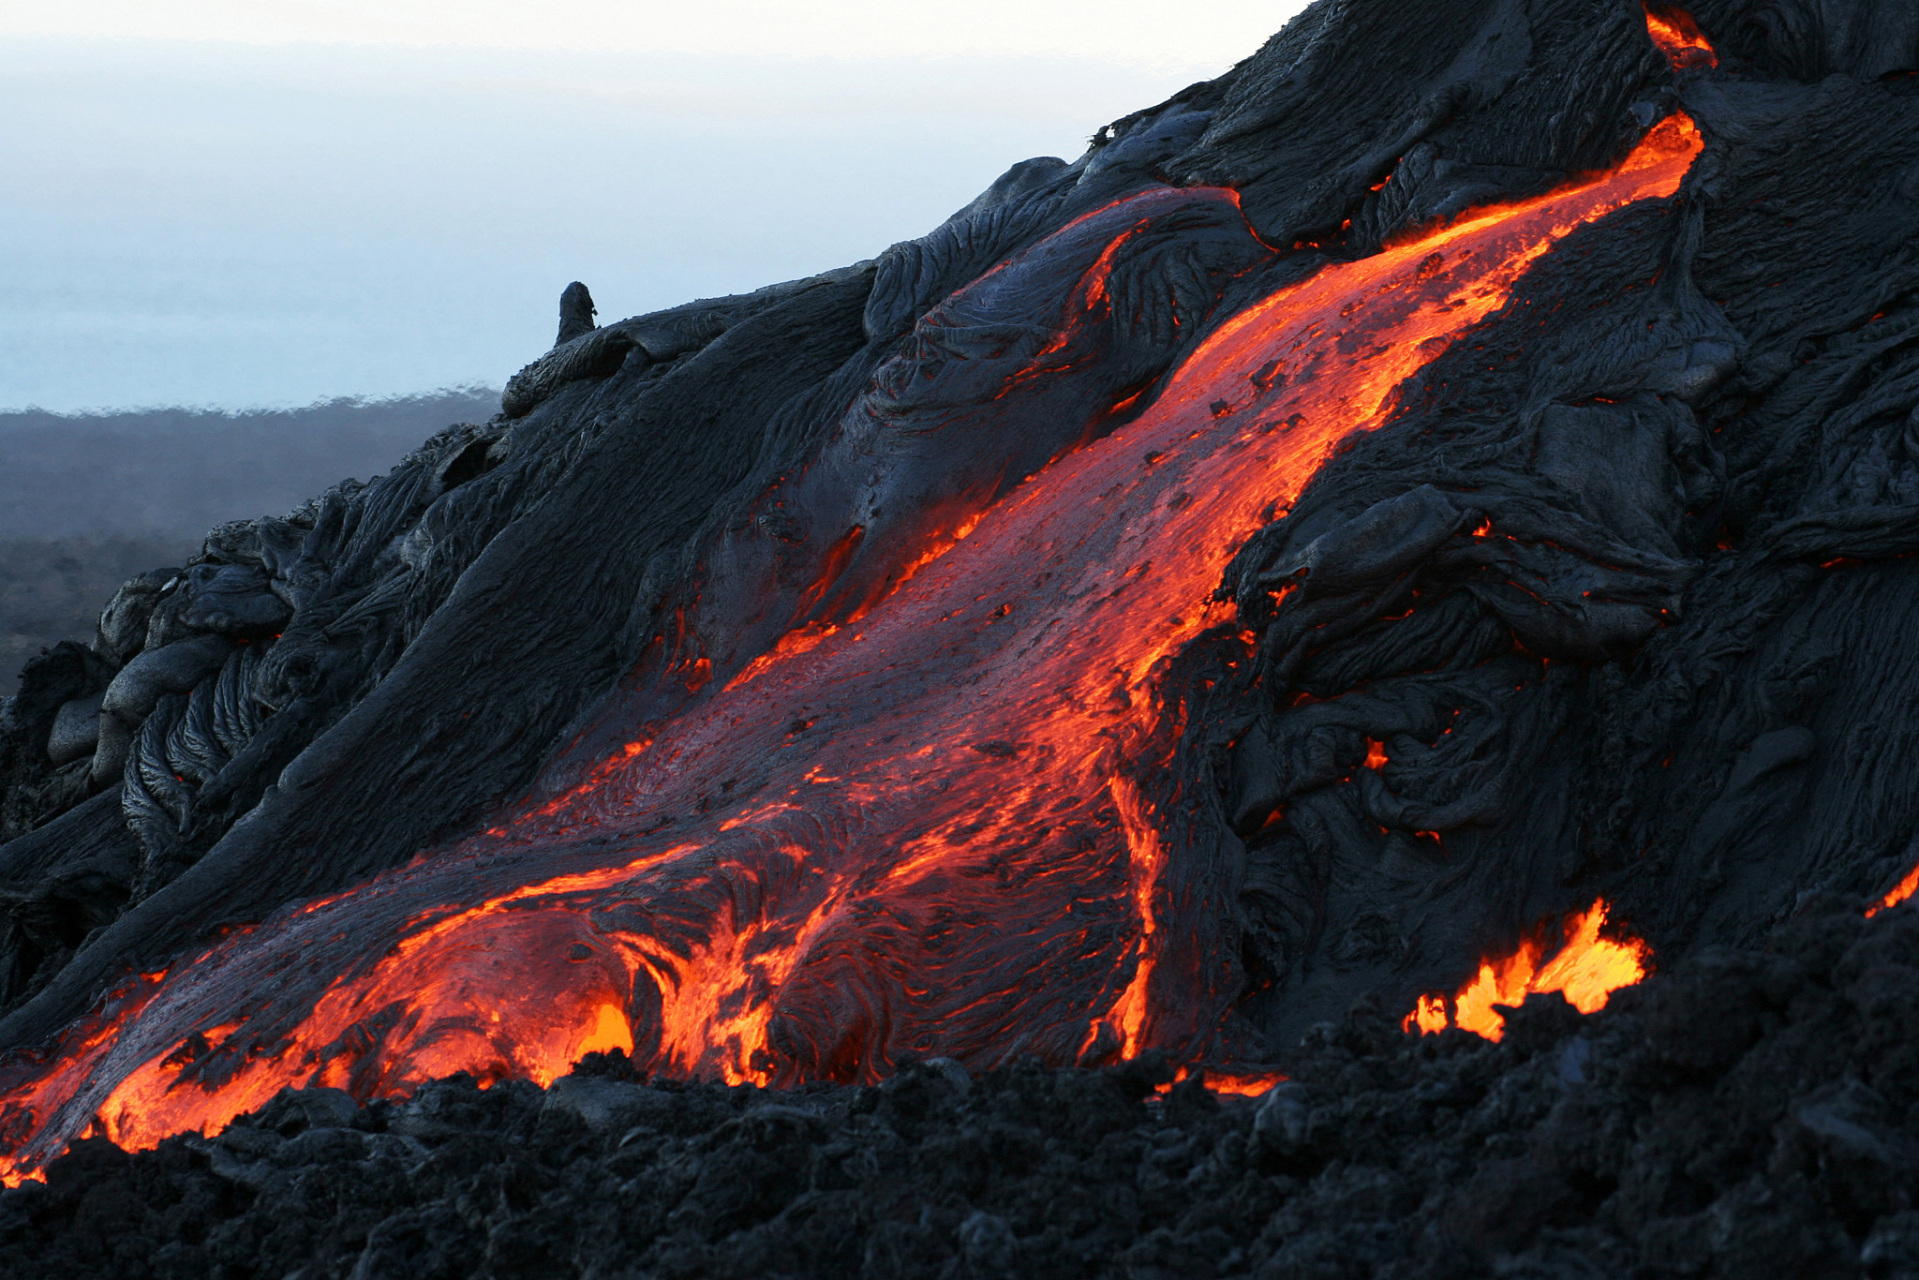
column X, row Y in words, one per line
column 1679, row 38
column 1243, row 1084
column 946, row 828
column 1586, row 969
column 1233, row 1082
column 1900, row 892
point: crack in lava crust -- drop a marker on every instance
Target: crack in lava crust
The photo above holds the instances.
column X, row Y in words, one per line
column 967, row 843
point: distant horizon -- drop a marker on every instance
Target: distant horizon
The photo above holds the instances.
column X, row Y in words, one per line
column 178, row 472
column 429, row 396
column 235, row 225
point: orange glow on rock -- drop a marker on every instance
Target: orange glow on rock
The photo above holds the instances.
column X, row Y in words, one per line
column 1375, row 754
column 609, row 1032
column 799, row 640
column 1429, row 1015
column 1247, row 1083
column 1128, row 1015
column 1586, row 969
column 950, row 833
column 1679, row 38
column 1900, row 892
column 838, row 556
column 1243, row 1084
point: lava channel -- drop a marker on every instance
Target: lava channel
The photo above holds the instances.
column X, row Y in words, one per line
column 950, row 828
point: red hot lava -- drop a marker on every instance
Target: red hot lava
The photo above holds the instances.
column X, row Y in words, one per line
column 1586, row 969
column 944, row 828
column 1897, row 894
column 1679, row 38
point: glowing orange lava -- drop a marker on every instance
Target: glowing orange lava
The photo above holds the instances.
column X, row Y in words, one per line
column 1586, row 969
column 1679, row 38
column 1243, row 1084
column 951, row 831
column 1900, row 892
column 1247, row 1083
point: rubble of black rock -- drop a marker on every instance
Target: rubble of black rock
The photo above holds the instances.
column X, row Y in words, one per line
column 1688, row 663
column 1751, row 1113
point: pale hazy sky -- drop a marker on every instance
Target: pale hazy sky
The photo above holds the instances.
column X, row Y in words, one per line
column 1195, row 34
column 248, row 202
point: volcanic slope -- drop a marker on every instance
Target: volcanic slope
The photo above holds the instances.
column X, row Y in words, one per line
column 1448, row 475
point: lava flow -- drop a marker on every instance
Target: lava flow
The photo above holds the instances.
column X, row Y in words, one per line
column 1679, row 38
column 946, row 828
column 1586, row 969
column 1898, row 894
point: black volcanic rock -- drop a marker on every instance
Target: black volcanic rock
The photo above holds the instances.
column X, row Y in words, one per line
column 1615, row 604
column 1748, row 1114
column 576, row 313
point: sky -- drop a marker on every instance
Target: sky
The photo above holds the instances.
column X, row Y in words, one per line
column 249, row 203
